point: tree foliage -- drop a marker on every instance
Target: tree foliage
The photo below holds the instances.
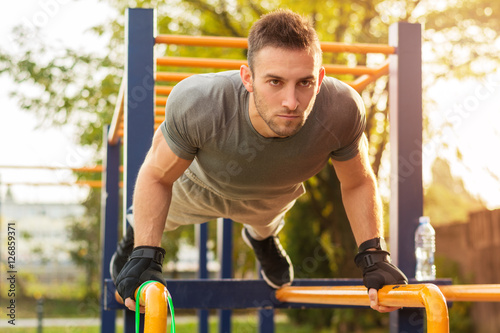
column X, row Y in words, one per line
column 461, row 39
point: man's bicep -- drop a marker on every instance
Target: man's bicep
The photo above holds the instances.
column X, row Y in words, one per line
column 356, row 170
column 162, row 163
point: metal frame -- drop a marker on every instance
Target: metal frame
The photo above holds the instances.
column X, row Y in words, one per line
column 138, row 93
column 406, row 205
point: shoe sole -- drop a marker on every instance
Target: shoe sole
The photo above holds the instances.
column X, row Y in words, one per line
column 264, row 276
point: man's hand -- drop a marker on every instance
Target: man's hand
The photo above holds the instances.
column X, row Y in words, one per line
column 144, row 264
column 378, row 271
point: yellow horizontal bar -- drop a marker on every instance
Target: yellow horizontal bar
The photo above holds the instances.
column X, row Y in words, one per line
column 420, row 295
column 160, row 101
column 472, row 293
column 236, row 64
column 167, row 77
column 360, row 48
column 96, row 168
column 202, row 41
column 200, row 62
column 89, row 183
column 163, row 90
column 239, row 42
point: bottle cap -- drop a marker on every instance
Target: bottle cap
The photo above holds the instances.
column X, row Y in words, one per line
column 424, row 219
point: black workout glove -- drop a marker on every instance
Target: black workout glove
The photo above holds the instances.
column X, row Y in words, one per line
column 144, row 264
column 377, row 268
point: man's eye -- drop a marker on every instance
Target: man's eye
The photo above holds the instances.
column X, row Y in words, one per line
column 305, row 83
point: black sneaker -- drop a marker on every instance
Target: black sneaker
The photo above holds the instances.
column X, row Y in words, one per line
column 277, row 269
column 120, row 257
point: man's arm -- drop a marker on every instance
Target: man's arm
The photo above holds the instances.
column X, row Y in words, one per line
column 360, row 195
column 364, row 210
column 153, row 191
column 152, row 196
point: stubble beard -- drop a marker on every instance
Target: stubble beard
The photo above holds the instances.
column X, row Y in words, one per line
column 290, row 127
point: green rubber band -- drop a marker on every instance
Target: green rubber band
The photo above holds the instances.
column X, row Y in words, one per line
column 171, row 306
column 137, row 309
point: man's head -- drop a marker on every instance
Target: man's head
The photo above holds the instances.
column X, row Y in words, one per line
column 283, row 29
column 284, row 73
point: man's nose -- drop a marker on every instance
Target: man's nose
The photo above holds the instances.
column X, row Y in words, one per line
column 290, row 100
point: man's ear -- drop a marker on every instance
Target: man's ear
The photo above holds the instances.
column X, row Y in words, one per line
column 246, row 77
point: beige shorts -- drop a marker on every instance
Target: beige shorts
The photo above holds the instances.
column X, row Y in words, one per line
column 194, row 204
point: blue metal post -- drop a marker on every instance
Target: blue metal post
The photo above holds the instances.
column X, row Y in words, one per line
column 109, row 222
column 266, row 321
column 266, row 316
column 405, row 91
column 139, row 103
column 225, row 248
column 201, row 235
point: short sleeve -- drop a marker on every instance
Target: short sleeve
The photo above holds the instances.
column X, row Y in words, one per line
column 354, row 123
column 177, row 126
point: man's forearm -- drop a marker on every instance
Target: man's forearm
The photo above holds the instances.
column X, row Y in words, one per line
column 151, row 203
column 364, row 210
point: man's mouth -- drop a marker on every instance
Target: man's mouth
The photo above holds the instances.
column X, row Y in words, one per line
column 288, row 116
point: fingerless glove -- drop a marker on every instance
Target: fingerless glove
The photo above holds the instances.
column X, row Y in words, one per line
column 144, row 264
column 377, row 268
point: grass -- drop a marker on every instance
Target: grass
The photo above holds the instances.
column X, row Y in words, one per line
column 239, row 325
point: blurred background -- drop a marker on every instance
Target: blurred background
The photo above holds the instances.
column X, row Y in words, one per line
column 61, row 64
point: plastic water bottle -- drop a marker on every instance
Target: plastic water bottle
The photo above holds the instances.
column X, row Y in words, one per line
column 425, row 246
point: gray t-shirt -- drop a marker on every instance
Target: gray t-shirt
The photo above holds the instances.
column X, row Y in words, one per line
column 207, row 121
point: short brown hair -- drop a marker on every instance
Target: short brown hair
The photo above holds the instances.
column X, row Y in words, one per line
column 283, row 29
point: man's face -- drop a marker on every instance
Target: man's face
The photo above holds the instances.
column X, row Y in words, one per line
column 284, row 86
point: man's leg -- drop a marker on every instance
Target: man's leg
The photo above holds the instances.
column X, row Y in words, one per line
column 276, row 266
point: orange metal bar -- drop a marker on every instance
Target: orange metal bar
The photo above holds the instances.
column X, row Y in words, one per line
column 419, row 295
column 117, row 115
column 163, row 90
column 166, row 77
column 242, row 43
column 236, row 64
column 97, row 168
column 154, row 297
column 202, row 41
column 200, row 62
column 361, row 82
column 89, row 183
column 472, row 293
column 160, row 101
column 357, row 48
column 339, row 69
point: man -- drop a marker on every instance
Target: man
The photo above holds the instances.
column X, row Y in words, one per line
column 240, row 144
